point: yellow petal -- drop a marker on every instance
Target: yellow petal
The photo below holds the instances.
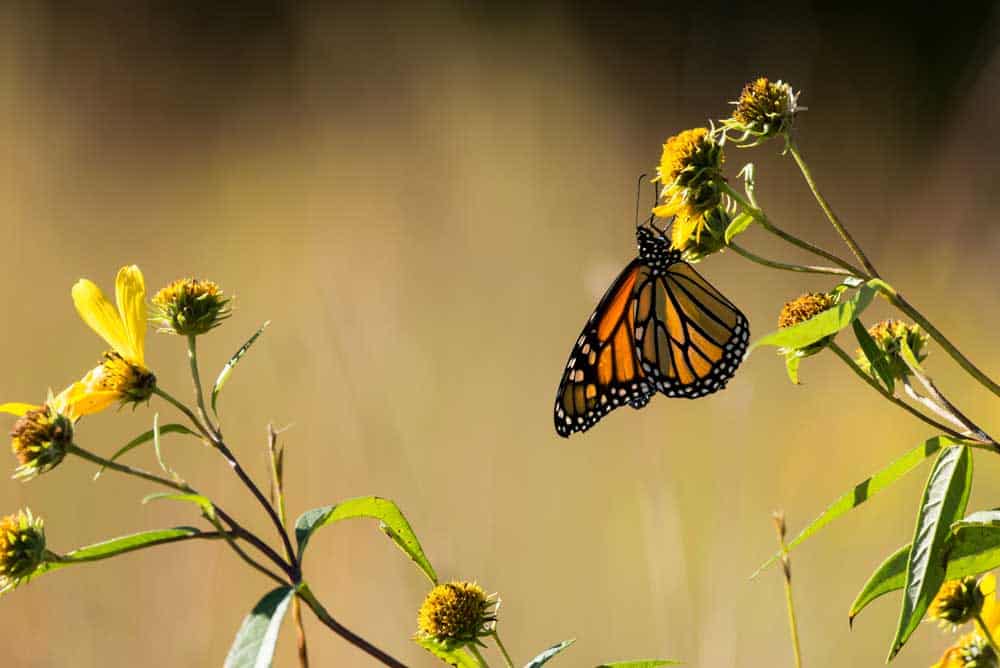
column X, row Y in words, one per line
column 16, row 408
column 991, row 610
column 86, row 396
column 130, row 293
column 101, row 316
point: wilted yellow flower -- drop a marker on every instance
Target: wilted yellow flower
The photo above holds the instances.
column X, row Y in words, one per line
column 957, row 602
column 190, row 307
column 972, row 650
column 39, row 440
column 457, row 612
column 765, row 109
column 889, row 336
column 690, row 172
column 22, row 548
column 122, row 376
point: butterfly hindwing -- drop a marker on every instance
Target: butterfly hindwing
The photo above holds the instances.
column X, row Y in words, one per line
column 603, row 372
column 689, row 338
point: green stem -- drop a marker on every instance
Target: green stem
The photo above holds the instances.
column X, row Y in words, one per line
column 897, row 300
column 307, row 596
column 986, row 633
column 885, row 393
column 479, row 657
column 503, row 650
column 786, row 569
column 774, row 264
column 823, row 204
column 765, row 222
column 192, row 346
column 250, row 561
column 70, row 559
column 128, row 470
column 160, row 392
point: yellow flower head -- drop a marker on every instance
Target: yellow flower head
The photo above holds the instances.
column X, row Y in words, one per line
column 972, row 650
column 190, row 307
column 39, row 440
column 122, row 376
column 457, row 612
column 889, row 336
column 957, row 602
column 22, row 548
column 700, row 237
column 765, row 109
column 690, row 171
column 803, row 308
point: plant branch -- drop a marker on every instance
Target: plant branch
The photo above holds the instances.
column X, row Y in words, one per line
column 128, row 470
column 823, row 204
column 192, row 348
column 202, row 535
column 503, row 650
column 774, row 264
column 307, row 596
column 765, row 222
column 786, row 569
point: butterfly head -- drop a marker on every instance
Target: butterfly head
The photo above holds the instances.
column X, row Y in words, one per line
column 654, row 247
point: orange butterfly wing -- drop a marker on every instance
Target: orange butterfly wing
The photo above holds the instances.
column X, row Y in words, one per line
column 689, row 338
column 603, row 371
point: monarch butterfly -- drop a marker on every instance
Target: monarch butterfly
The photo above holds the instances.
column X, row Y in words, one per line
column 660, row 327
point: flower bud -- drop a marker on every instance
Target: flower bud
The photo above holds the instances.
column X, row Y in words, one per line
column 457, row 612
column 190, row 307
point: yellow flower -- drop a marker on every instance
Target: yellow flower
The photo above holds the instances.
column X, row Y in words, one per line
column 41, row 435
column 972, row 650
column 803, row 308
column 122, row 376
column 189, row 307
column 690, row 172
column 957, row 602
column 457, row 612
column 888, row 336
column 22, row 548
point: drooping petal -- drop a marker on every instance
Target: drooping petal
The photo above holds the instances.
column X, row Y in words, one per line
column 130, row 293
column 88, row 396
column 17, row 408
column 101, row 316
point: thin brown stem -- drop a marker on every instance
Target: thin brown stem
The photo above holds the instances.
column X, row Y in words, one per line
column 300, row 633
column 307, row 596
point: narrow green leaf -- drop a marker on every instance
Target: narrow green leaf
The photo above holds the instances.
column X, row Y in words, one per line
column 548, row 653
column 792, row 360
column 231, row 364
column 974, row 549
column 254, row 644
column 201, row 501
column 943, row 502
column 453, row 656
column 822, row 325
column 739, row 224
column 146, row 438
column 391, row 522
column 907, row 353
column 875, row 356
column 980, row 518
column 865, row 489
column 641, row 663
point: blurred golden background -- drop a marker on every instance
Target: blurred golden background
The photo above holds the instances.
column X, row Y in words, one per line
column 427, row 202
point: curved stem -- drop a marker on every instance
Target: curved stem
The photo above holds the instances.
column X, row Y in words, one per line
column 306, row 595
column 765, row 222
column 823, row 204
column 128, row 470
column 774, row 264
column 985, row 630
column 250, row 561
column 899, row 302
column 786, row 569
column 160, row 392
column 192, row 347
column 902, row 404
column 479, row 656
column 503, row 650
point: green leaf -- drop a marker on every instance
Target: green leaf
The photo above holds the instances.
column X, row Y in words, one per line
column 865, row 489
column 739, row 224
column 943, row 502
column 231, row 364
column 254, row 644
column 453, row 656
column 641, row 663
column 548, row 653
column 146, row 438
column 391, row 521
column 792, row 360
column 875, row 356
column 907, row 353
column 201, row 501
column 974, row 549
column 822, row 325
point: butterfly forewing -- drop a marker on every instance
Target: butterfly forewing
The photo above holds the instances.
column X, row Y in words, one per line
column 603, row 371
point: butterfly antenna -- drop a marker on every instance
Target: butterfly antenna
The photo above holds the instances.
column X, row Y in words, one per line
column 638, row 195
